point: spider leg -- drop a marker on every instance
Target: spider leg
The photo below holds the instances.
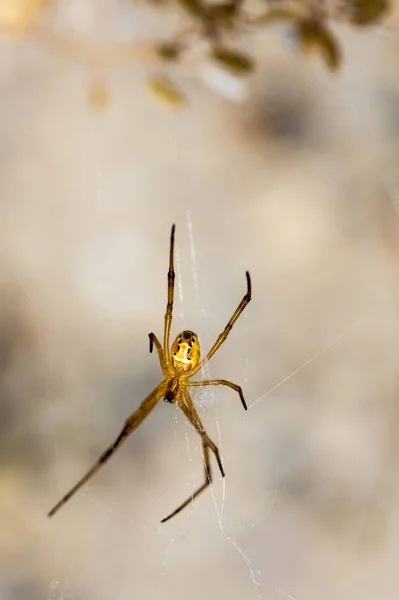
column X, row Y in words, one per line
column 154, row 340
column 169, row 306
column 234, row 386
column 207, row 444
column 130, row 425
column 192, row 416
column 208, row 480
column 222, row 336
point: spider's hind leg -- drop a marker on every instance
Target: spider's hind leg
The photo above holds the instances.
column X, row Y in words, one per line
column 207, row 444
column 208, row 481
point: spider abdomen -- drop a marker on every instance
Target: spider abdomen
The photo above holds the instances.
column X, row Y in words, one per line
column 186, row 351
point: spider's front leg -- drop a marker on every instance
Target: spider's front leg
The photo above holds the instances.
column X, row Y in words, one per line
column 223, row 336
column 171, row 290
column 233, row 386
column 130, row 425
column 154, row 340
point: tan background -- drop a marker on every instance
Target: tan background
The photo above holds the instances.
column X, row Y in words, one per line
column 299, row 186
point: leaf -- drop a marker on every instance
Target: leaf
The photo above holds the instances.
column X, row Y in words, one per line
column 367, row 12
column 233, row 60
column 275, row 16
column 225, row 11
column 314, row 35
column 195, row 8
column 169, row 51
column 166, row 91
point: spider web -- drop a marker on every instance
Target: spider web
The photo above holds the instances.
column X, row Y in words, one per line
column 60, row 591
column 63, row 589
column 206, row 374
column 220, row 490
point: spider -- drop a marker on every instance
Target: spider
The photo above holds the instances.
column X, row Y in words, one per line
column 179, row 364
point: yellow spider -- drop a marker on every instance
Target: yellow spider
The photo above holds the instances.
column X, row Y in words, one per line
column 178, row 364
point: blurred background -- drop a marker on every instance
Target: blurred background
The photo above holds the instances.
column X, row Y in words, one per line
column 297, row 181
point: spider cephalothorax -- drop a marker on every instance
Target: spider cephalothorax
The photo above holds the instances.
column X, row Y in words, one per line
column 185, row 351
column 179, row 364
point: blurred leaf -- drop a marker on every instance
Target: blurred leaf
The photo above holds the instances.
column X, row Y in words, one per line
column 367, row 12
column 275, row 16
column 225, row 12
column 224, row 83
column 236, row 62
column 166, row 91
column 195, row 8
column 169, row 50
column 313, row 35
